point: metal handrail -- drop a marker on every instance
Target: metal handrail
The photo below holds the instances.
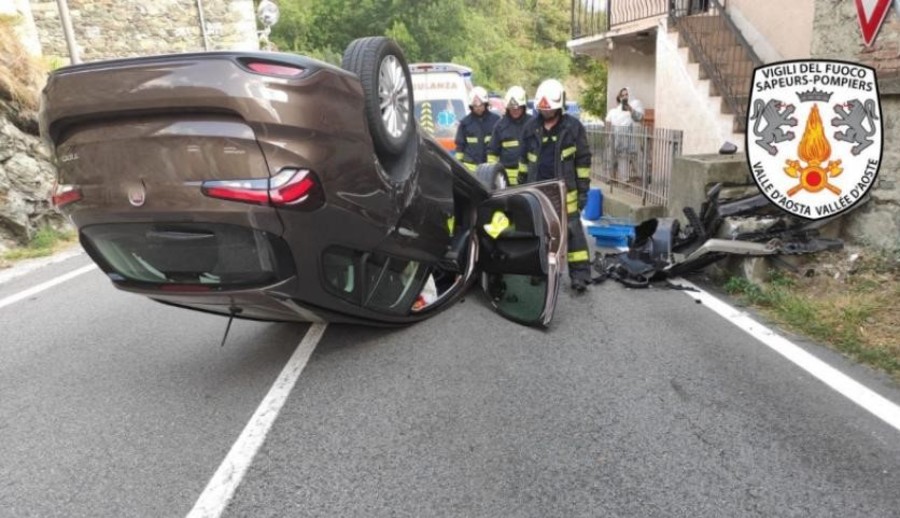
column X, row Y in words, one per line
column 721, row 50
column 636, row 160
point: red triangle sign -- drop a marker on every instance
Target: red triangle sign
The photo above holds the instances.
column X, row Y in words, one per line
column 871, row 14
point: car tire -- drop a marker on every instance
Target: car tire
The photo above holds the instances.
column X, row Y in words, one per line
column 492, row 176
column 384, row 74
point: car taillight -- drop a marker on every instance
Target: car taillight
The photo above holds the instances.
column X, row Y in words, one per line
column 64, row 194
column 271, row 69
column 289, row 188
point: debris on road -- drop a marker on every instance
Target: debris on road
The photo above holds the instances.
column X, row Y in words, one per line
column 751, row 226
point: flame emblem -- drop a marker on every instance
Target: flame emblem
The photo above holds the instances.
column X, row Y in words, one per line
column 814, row 149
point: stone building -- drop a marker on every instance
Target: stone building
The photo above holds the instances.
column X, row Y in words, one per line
column 655, row 47
column 106, row 29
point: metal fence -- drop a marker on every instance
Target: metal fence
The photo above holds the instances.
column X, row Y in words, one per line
column 724, row 55
column 592, row 17
column 637, row 160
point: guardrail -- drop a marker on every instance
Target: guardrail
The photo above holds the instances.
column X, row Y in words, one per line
column 636, row 160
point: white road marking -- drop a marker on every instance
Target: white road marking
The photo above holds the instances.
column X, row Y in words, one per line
column 33, row 264
column 879, row 406
column 224, row 483
column 12, row 299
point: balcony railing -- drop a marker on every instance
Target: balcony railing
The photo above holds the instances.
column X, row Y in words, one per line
column 592, row 17
column 637, row 160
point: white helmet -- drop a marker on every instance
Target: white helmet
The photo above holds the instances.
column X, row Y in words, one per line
column 550, row 96
column 515, row 97
column 478, row 93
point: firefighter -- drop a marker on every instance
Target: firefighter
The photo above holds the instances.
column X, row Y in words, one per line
column 474, row 132
column 506, row 140
column 554, row 145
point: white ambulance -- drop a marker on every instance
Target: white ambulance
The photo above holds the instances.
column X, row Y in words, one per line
column 441, row 92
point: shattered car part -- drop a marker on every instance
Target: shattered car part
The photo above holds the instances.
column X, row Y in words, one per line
column 748, row 226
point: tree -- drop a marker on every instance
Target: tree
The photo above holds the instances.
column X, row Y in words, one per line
column 594, row 74
column 505, row 42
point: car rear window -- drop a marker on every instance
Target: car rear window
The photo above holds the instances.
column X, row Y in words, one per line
column 218, row 255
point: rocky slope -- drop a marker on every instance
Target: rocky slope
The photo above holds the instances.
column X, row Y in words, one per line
column 26, row 173
column 26, row 178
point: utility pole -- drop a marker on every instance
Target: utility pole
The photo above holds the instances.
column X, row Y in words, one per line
column 67, row 31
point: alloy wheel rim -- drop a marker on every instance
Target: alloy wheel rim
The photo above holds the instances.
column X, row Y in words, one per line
column 393, row 95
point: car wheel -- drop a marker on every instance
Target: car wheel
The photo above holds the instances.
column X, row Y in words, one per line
column 387, row 86
column 492, row 176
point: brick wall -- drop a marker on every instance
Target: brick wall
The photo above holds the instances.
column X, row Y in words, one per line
column 106, row 29
column 836, row 35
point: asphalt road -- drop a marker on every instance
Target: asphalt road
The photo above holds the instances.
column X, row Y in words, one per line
column 634, row 403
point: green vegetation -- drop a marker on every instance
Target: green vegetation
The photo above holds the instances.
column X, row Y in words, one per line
column 45, row 241
column 851, row 310
column 505, row 42
column 20, row 74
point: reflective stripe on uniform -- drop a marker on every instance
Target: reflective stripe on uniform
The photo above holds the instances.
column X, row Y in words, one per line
column 532, row 157
column 513, row 175
column 569, row 151
column 470, row 166
column 572, row 202
column 523, row 168
column 487, row 138
column 472, row 140
column 492, row 159
column 460, row 156
column 583, row 172
column 578, row 256
column 510, row 143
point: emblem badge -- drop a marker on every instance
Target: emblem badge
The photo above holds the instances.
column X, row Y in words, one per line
column 814, row 135
column 137, row 195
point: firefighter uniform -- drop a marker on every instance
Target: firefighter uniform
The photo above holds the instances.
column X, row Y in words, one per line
column 562, row 152
column 506, row 141
column 474, row 132
column 473, row 137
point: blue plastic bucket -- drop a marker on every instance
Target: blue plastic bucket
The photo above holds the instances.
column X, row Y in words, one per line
column 594, row 207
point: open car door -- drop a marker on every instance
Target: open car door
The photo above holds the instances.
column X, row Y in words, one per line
column 522, row 243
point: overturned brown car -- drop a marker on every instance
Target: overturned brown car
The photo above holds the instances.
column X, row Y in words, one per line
column 276, row 187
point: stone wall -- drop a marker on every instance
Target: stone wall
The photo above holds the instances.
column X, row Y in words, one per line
column 836, row 35
column 106, row 29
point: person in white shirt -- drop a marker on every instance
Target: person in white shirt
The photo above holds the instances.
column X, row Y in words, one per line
column 624, row 120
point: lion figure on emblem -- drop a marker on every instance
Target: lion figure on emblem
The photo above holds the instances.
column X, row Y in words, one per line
column 855, row 119
column 775, row 118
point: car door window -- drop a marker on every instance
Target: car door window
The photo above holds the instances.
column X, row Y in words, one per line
column 392, row 283
column 521, row 237
column 374, row 280
column 521, row 297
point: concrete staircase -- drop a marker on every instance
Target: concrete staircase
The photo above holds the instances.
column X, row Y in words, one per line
column 713, row 50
